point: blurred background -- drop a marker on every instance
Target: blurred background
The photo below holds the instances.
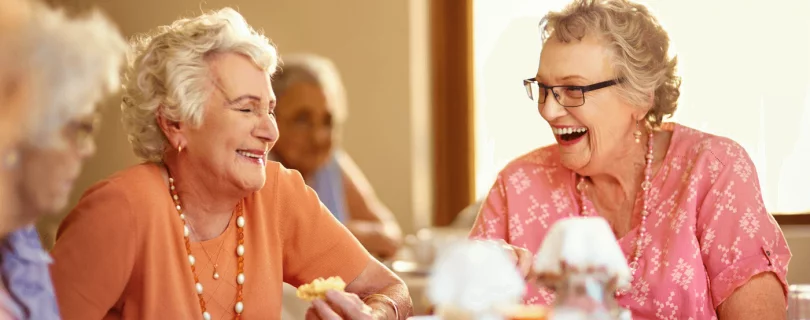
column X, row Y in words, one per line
column 437, row 107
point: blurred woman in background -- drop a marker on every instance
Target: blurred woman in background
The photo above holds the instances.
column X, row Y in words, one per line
column 311, row 110
column 70, row 65
column 14, row 17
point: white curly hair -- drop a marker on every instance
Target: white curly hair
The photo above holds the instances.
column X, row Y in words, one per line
column 74, row 63
column 169, row 73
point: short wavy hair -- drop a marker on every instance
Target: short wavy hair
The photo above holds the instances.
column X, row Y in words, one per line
column 74, row 64
column 638, row 45
column 169, row 75
column 316, row 70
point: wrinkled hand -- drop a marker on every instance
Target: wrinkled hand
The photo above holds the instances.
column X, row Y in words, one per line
column 523, row 259
column 339, row 305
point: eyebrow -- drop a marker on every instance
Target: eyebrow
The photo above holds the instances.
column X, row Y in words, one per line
column 573, row 77
column 229, row 101
column 242, row 98
column 566, row 78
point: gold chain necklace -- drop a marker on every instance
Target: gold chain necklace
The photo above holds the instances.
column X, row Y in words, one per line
column 240, row 253
column 215, row 274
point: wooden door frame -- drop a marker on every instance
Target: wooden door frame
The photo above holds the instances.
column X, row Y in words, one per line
column 453, row 107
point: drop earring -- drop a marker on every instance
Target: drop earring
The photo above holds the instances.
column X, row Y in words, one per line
column 637, row 133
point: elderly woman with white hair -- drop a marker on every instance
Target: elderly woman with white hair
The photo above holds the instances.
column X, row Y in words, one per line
column 14, row 17
column 70, row 65
column 685, row 205
column 205, row 227
column 311, row 110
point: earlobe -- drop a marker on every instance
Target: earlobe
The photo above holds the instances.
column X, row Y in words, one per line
column 171, row 129
column 646, row 110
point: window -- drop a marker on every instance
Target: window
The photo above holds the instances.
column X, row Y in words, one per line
column 746, row 76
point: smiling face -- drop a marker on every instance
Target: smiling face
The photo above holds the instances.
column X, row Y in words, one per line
column 307, row 121
column 599, row 131
column 48, row 174
column 238, row 127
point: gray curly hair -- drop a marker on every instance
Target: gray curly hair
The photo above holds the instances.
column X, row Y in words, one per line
column 638, row 45
column 169, row 73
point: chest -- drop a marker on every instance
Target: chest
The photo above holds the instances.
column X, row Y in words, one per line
column 622, row 219
column 671, row 280
column 162, row 283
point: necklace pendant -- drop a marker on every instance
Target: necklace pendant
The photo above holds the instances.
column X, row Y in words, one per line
column 216, row 274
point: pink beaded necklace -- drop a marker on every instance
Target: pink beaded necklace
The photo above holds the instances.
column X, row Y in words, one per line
column 645, row 187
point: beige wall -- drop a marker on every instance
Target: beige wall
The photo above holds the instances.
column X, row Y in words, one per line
column 381, row 50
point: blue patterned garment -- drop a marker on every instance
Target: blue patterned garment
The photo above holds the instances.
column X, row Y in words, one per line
column 24, row 269
column 328, row 184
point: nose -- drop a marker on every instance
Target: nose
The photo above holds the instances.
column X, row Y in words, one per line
column 267, row 130
column 551, row 109
column 323, row 135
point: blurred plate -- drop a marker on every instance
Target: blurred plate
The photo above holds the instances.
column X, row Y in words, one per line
column 409, row 268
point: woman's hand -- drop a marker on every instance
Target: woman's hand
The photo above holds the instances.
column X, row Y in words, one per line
column 523, row 258
column 341, row 305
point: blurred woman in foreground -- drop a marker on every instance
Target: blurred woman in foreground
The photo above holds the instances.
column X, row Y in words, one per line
column 69, row 66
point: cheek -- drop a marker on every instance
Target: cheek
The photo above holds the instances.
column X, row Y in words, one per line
column 49, row 175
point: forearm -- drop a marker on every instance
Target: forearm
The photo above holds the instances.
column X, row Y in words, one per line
column 397, row 305
column 373, row 236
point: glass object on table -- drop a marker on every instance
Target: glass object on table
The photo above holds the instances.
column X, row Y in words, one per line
column 472, row 279
column 582, row 262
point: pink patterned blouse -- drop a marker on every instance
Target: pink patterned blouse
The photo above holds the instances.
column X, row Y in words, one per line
column 707, row 233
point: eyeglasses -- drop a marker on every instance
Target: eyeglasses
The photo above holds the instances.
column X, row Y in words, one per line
column 566, row 96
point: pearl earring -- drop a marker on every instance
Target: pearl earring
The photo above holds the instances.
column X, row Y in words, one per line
column 179, row 149
column 637, row 134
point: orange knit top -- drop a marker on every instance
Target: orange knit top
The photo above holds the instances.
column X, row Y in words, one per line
column 120, row 253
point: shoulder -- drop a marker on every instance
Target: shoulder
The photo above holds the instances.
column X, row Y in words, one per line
column 286, row 191
column 707, row 152
column 137, row 189
column 142, row 179
column 541, row 158
column 535, row 179
column 539, row 168
column 282, row 183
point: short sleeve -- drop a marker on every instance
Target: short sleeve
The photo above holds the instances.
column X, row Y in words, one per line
column 491, row 222
column 315, row 243
column 738, row 238
column 94, row 253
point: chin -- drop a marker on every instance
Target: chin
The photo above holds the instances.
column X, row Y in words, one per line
column 52, row 206
column 574, row 162
column 255, row 183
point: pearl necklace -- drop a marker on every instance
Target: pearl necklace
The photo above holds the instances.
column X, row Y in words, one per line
column 240, row 253
column 645, row 187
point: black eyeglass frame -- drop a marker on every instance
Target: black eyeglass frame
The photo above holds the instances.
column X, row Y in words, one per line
column 583, row 89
